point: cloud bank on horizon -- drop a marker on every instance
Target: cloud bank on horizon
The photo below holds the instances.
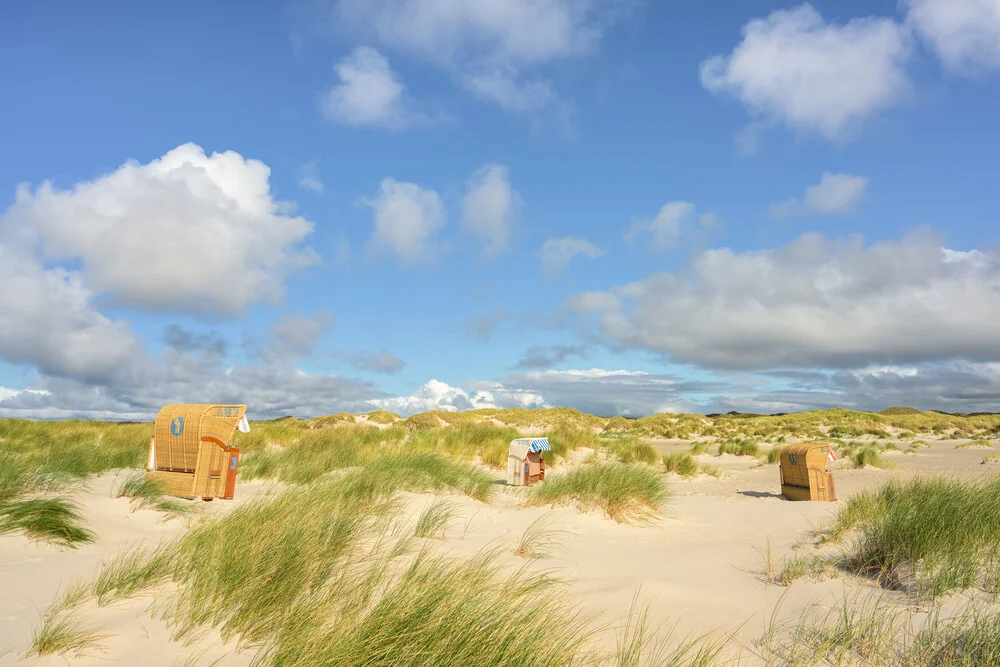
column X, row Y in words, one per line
column 427, row 205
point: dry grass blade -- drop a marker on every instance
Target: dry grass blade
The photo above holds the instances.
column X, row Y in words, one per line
column 60, row 633
column 539, row 540
column 434, row 520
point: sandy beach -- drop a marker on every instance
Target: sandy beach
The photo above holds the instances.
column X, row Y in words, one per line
column 699, row 567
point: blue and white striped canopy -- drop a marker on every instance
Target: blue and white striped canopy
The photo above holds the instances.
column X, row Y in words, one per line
column 534, row 444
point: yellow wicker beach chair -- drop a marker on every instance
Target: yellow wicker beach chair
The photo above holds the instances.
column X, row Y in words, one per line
column 190, row 452
column 804, row 472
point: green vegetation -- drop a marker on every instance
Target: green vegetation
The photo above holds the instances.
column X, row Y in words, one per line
column 61, row 633
column 700, row 447
column 713, row 470
column 539, row 539
column 873, row 631
column 739, row 447
column 632, row 450
column 383, row 417
column 56, row 520
column 977, row 442
column 792, row 568
column 622, row 491
column 900, row 410
column 931, row 534
column 145, row 493
column 681, row 463
column 434, row 520
column 343, row 557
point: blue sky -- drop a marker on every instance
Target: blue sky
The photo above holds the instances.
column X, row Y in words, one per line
column 619, row 206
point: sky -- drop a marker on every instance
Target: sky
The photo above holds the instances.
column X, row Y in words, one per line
column 620, row 206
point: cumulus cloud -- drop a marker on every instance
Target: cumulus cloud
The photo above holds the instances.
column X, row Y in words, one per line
column 951, row 387
column 965, row 34
column 835, row 193
column 674, row 220
column 193, row 368
column 47, row 320
column 556, row 254
column 814, row 303
column 268, row 390
column 182, row 340
column 188, row 231
column 370, row 94
column 490, row 206
column 597, row 391
column 296, row 336
column 382, row 361
column 796, row 68
column 406, row 219
column 487, row 46
column 434, row 395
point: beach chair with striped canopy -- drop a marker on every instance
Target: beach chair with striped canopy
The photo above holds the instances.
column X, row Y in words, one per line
column 191, row 453
column 525, row 464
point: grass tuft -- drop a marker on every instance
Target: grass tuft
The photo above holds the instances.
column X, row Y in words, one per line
column 713, row 470
column 539, row 539
column 623, row 492
column 935, row 534
column 55, row 520
column 434, row 520
column 681, row 463
column 60, row 633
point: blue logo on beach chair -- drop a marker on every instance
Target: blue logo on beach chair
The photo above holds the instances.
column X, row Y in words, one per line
column 177, row 426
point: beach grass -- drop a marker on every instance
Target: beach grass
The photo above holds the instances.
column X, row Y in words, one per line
column 681, row 463
column 434, row 520
column 62, row 633
column 540, row 539
column 932, row 535
column 623, row 492
column 56, row 520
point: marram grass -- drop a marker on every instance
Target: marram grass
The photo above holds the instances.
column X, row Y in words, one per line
column 622, row 491
column 931, row 534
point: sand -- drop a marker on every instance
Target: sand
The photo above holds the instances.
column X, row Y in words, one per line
column 698, row 568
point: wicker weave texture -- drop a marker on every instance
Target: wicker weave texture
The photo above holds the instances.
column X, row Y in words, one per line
column 803, row 472
column 179, row 428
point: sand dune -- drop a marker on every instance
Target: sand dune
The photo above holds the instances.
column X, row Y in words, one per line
column 699, row 567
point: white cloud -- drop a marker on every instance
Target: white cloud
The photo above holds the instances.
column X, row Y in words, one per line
column 295, row 336
column 556, row 254
column 435, row 395
column 268, row 390
column 369, row 94
column 47, row 321
column 965, row 34
column 308, row 179
column 835, row 193
column 490, row 206
column 185, row 232
column 406, row 219
column 813, row 303
column 595, row 391
column 794, row 67
column 673, row 221
column 487, row 45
